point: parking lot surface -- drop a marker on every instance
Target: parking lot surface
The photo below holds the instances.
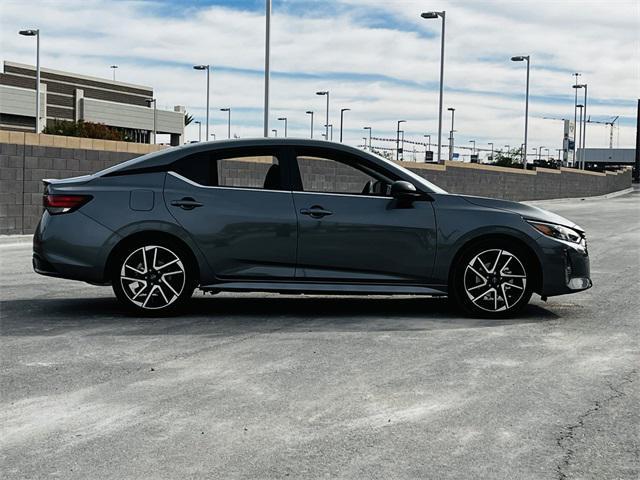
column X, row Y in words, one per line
column 269, row 386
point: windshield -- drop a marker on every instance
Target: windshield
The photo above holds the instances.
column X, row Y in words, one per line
column 414, row 176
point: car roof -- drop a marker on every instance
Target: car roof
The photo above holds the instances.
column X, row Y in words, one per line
column 169, row 155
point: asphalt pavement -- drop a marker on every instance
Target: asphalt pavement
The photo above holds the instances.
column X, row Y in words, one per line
column 304, row 387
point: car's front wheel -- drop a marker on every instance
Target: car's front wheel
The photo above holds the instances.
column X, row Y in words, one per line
column 153, row 277
column 493, row 279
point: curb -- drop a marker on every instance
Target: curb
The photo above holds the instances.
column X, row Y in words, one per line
column 10, row 240
column 580, row 199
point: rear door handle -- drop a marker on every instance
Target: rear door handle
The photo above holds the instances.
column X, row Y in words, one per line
column 316, row 212
column 186, row 203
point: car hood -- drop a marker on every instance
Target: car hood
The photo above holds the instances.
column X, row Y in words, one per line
column 526, row 211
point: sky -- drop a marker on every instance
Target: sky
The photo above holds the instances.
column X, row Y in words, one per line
column 376, row 57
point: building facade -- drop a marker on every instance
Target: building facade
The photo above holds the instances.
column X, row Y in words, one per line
column 72, row 97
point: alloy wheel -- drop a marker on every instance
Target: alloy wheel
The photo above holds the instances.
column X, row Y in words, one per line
column 152, row 277
column 495, row 280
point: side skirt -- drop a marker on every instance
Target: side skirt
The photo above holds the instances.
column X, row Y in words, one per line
column 327, row 288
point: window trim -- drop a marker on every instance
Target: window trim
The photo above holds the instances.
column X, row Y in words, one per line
column 217, row 187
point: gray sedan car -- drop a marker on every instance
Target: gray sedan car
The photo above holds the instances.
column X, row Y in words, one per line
column 298, row 216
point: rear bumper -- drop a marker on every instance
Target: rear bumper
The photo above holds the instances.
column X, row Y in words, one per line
column 70, row 246
column 565, row 268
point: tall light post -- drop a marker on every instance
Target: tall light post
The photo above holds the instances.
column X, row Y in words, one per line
column 431, row 15
column 330, row 134
column 583, row 125
column 228, row 110
column 429, row 147
column 35, row 32
column 199, row 130
column 521, row 58
column 575, row 117
column 364, row 140
column 214, row 136
column 267, row 72
column 149, row 102
column 453, row 113
column 326, row 123
column 491, row 143
column 285, row 125
column 579, row 147
column 473, row 149
column 540, row 152
column 275, row 132
column 398, row 139
column 547, row 150
column 113, row 69
column 342, row 110
column 368, row 128
column 207, row 68
column 309, row 112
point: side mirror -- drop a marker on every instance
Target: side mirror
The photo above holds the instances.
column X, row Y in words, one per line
column 402, row 190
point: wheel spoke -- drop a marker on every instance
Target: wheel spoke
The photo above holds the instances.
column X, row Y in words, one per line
column 493, row 269
column 144, row 305
column 477, row 286
column 510, row 275
column 483, row 294
column 513, row 285
column 155, row 257
column 484, row 279
column 139, row 272
column 166, row 300
column 140, row 291
column 504, row 295
column 164, row 265
column 172, row 273
column 164, row 280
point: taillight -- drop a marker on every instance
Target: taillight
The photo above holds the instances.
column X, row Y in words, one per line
column 56, row 204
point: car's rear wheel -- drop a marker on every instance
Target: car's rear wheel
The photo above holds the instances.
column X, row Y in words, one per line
column 493, row 278
column 153, row 277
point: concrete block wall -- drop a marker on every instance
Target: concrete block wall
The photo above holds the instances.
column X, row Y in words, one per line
column 26, row 159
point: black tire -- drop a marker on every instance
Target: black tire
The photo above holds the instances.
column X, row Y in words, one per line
column 482, row 288
column 153, row 277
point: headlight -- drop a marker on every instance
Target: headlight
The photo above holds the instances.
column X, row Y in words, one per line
column 557, row 231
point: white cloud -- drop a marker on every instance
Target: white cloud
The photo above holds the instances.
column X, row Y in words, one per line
column 381, row 73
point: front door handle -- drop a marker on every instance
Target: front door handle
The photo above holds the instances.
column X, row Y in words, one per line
column 316, row 212
column 186, row 203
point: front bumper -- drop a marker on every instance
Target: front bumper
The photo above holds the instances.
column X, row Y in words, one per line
column 565, row 268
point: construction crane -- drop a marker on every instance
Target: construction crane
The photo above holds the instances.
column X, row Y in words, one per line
column 611, row 123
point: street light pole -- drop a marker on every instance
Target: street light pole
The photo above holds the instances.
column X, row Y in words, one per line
column 275, row 132
column 453, row 112
column 521, row 58
column 267, row 73
column 309, row 112
column 35, row 32
column 473, row 150
column 326, row 123
column 342, row 110
column 285, row 125
column 584, row 129
column 368, row 128
column 398, row 140
column 579, row 148
column 575, row 117
column 490, row 143
column 228, row 110
column 540, row 152
column 441, row 15
column 207, row 68
column 199, row 130
column 113, row 69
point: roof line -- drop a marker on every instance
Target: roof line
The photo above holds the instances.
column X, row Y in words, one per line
column 71, row 74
